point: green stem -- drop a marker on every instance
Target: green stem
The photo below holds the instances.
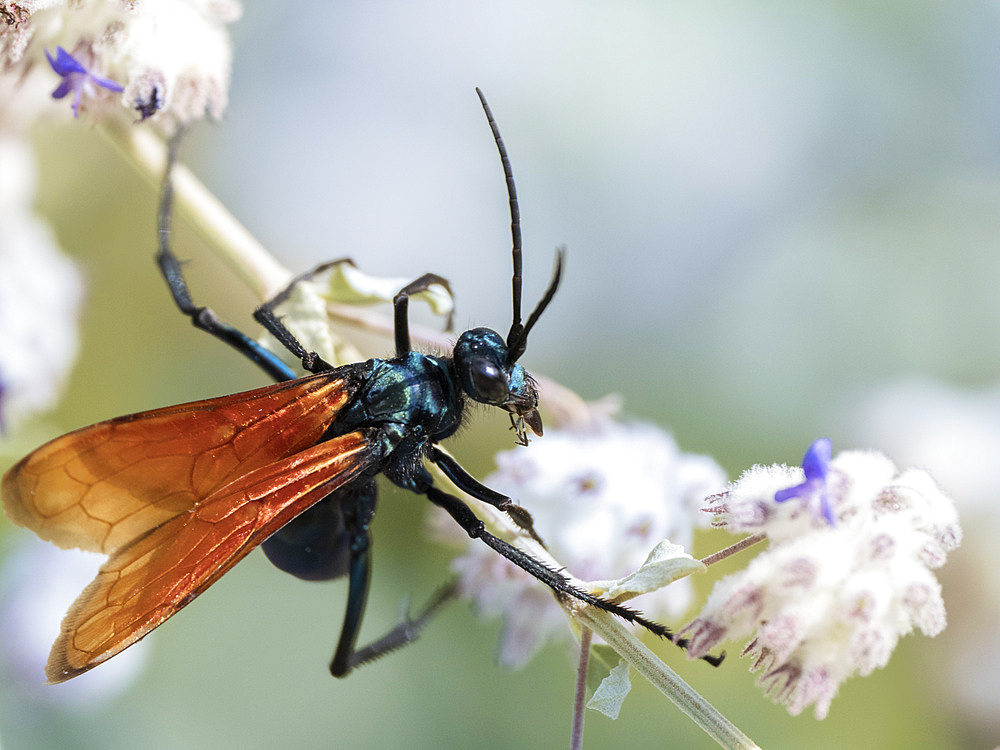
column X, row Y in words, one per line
column 226, row 236
column 666, row 680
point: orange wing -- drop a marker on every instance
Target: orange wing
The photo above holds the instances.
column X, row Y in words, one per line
column 147, row 581
column 101, row 487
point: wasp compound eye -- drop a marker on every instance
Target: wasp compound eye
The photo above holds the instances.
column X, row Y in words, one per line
column 489, row 381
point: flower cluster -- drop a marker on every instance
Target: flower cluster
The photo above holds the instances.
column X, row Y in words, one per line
column 40, row 296
column 110, row 60
column 167, row 58
column 847, row 573
column 602, row 497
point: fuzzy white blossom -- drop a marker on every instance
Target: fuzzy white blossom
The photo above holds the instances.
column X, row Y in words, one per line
column 847, row 573
column 602, row 498
column 169, row 58
column 954, row 432
column 118, row 59
column 40, row 295
column 38, row 583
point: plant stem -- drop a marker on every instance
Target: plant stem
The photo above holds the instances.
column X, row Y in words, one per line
column 227, row 237
column 666, row 680
column 732, row 549
column 579, row 701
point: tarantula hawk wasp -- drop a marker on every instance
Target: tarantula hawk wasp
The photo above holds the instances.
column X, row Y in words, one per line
column 177, row 496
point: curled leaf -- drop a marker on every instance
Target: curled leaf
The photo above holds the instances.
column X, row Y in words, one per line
column 350, row 286
column 665, row 564
column 305, row 309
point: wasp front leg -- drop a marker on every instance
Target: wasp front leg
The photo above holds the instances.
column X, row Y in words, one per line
column 472, row 486
column 203, row 317
column 401, row 304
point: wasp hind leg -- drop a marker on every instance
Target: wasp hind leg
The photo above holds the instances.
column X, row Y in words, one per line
column 403, row 634
column 356, row 509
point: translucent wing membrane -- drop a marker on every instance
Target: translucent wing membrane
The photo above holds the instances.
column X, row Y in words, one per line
column 149, row 580
column 102, row 486
column 176, row 497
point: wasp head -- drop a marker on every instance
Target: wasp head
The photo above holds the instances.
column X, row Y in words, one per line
column 487, row 376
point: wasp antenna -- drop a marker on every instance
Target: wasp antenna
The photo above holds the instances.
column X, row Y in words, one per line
column 516, row 347
column 515, row 222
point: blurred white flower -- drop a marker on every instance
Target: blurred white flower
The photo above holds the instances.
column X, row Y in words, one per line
column 602, row 497
column 157, row 56
column 37, row 585
column 954, row 432
column 40, row 295
column 847, row 572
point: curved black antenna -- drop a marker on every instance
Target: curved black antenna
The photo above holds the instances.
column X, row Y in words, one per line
column 517, row 337
column 516, row 345
column 515, row 219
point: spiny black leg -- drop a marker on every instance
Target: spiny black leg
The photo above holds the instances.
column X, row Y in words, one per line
column 358, row 508
column 465, row 518
column 552, row 578
column 203, row 317
column 408, row 630
column 472, row 486
column 400, row 305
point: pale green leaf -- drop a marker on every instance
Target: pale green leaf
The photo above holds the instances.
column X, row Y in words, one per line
column 611, row 693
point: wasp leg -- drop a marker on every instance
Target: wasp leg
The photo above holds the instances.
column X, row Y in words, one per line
column 266, row 316
column 472, row 486
column 406, row 632
column 356, row 519
column 465, row 518
column 203, row 317
column 357, row 509
column 552, row 578
column 401, row 303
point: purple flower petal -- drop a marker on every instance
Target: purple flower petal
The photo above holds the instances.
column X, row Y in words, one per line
column 813, row 491
column 75, row 78
column 816, row 462
column 107, row 83
column 65, row 63
column 64, row 88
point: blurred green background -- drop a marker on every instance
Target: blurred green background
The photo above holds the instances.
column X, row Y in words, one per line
column 770, row 209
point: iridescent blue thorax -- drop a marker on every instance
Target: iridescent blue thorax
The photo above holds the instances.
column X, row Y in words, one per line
column 413, row 396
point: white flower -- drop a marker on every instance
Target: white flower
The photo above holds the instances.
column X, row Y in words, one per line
column 40, row 295
column 954, row 432
column 601, row 498
column 835, row 590
column 37, row 585
column 155, row 56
